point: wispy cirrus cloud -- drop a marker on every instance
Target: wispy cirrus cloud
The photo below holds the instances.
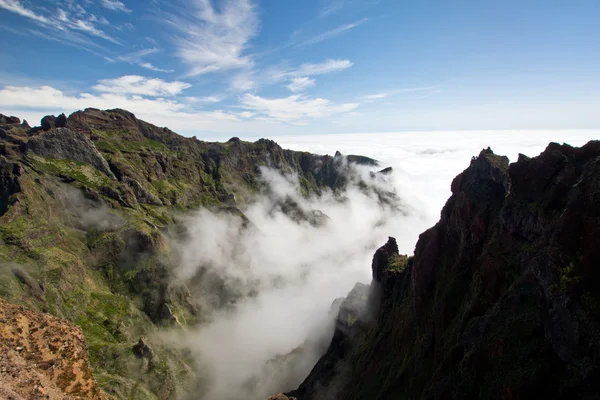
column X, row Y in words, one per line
column 300, row 84
column 326, row 67
column 212, row 39
column 300, row 78
column 295, row 109
column 331, row 7
column 330, row 33
column 115, row 5
column 422, row 90
column 60, row 22
column 204, row 99
column 136, row 58
column 141, row 85
column 16, row 7
column 377, row 96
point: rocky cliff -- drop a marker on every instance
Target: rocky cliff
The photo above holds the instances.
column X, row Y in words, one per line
column 43, row 357
column 86, row 202
column 500, row 300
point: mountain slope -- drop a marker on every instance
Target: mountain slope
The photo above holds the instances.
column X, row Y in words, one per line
column 500, row 300
column 86, row 204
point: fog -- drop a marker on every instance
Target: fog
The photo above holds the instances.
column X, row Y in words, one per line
column 273, row 279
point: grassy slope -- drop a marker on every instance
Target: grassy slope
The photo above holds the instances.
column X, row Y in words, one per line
column 112, row 279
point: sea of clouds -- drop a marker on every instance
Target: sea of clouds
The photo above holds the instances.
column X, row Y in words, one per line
column 286, row 274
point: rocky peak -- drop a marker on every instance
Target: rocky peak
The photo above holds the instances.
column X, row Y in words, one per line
column 6, row 120
column 501, row 298
column 50, row 122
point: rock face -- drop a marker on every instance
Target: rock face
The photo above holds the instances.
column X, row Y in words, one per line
column 66, row 144
column 43, row 357
column 501, row 299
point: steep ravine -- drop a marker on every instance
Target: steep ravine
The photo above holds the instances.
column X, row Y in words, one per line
column 500, row 301
column 90, row 209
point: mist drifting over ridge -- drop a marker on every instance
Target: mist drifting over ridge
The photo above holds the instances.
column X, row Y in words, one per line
column 284, row 274
column 277, row 277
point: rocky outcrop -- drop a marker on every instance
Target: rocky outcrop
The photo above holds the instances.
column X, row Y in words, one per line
column 5, row 119
column 43, row 357
column 501, row 299
column 66, row 144
column 51, row 122
column 141, row 193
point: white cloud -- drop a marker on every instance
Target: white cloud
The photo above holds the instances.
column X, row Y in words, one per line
column 89, row 28
column 16, row 7
column 377, row 96
column 300, row 84
column 136, row 58
column 140, row 85
column 310, row 69
column 205, row 99
column 101, row 20
column 61, row 24
column 32, row 103
column 115, row 5
column 244, row 82
column 331, row 33
column 299, row 78
column 325, row 67
column 151, row 67
column 294, row 109
column 215, row 39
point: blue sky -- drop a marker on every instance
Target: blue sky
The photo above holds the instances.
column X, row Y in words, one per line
column 306, row 66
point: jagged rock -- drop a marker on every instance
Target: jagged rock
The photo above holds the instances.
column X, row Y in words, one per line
column 66, row 144
column 166, row 313
column 61, row 121
column 386, row 171
column 362, row 160
column 4, row 119
column 48, row 122
column 142, row 350
column 141, row 193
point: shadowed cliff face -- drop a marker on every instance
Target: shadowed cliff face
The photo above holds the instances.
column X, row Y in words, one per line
column 501, row 299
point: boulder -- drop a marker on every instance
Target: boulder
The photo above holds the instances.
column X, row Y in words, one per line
column 48, row 122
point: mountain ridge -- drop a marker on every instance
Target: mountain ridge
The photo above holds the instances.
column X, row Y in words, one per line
column 499, row 301
column 86, row 204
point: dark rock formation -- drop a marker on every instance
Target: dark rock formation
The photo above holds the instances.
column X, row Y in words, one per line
column 66, row 144
column 501, row 300
column 4, row 119
column 143, row 350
